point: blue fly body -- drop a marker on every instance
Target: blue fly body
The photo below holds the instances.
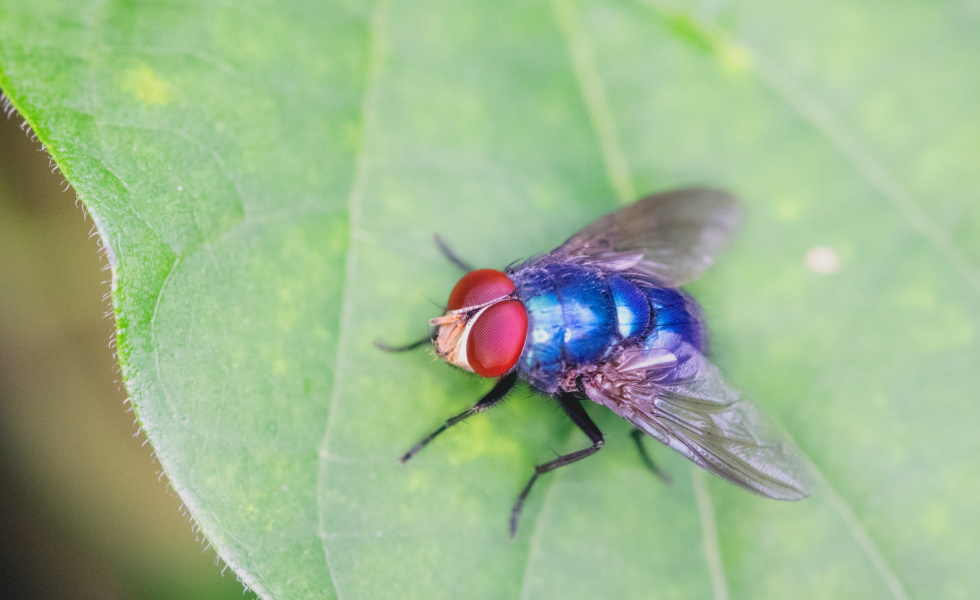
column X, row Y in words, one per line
column 602, row 317
column 571, row 319
column 578, row 315
column 633, row 310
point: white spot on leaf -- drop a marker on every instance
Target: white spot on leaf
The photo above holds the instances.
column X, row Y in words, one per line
column 822, row 260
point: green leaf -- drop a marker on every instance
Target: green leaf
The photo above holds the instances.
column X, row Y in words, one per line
column 267, row 177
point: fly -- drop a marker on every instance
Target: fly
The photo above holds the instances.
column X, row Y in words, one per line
column 602, row 317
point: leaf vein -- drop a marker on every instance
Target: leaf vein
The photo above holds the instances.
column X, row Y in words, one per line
column 593, row 92
column 533, row 545
column 863, row 539
column 377, row 32
column 709, row 535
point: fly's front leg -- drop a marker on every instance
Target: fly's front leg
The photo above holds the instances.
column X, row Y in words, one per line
column 573, row 408
column 462, row 265
column 406, row 348
column 495, row 395
column 450, row 255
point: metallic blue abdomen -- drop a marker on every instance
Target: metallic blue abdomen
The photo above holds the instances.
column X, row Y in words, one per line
column 578, row 315
column 676, row 313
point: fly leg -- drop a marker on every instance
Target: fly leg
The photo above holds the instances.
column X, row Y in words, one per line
column 495, row 395
column 450, row 255
column 638, row 436
column 386, row 348
column 573, row 408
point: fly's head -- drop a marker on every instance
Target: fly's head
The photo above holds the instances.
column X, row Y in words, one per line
column 485, row 325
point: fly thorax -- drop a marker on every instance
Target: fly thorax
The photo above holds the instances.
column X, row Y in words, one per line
column 572, row 319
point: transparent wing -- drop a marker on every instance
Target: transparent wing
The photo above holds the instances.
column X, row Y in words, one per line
column 673, row 236
column 681, row 399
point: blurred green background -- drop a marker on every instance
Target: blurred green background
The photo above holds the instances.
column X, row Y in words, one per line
column 84, row 511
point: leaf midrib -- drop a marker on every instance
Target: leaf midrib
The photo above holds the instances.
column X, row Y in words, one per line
column 377, row 34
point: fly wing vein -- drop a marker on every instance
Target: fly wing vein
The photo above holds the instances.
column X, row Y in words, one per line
column 673, row 236
column 704, row 419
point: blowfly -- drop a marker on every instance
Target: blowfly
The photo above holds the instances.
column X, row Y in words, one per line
column 602, row 317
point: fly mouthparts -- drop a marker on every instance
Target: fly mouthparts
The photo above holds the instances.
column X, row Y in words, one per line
column 446, row 318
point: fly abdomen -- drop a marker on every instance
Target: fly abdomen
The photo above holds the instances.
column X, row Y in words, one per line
column 675, row 312
column 632, row 308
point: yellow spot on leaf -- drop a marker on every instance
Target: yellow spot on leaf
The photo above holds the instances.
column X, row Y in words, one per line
column 936, row 519
column 146, row 86
column 734, row 56
column 788, row 210
column 918, row 298
column 417, row 480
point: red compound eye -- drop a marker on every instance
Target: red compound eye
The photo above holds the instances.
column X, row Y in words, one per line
column 496, row 338
column 477, row 287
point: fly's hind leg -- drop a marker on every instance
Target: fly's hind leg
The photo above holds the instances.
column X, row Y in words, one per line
column 638, row 436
